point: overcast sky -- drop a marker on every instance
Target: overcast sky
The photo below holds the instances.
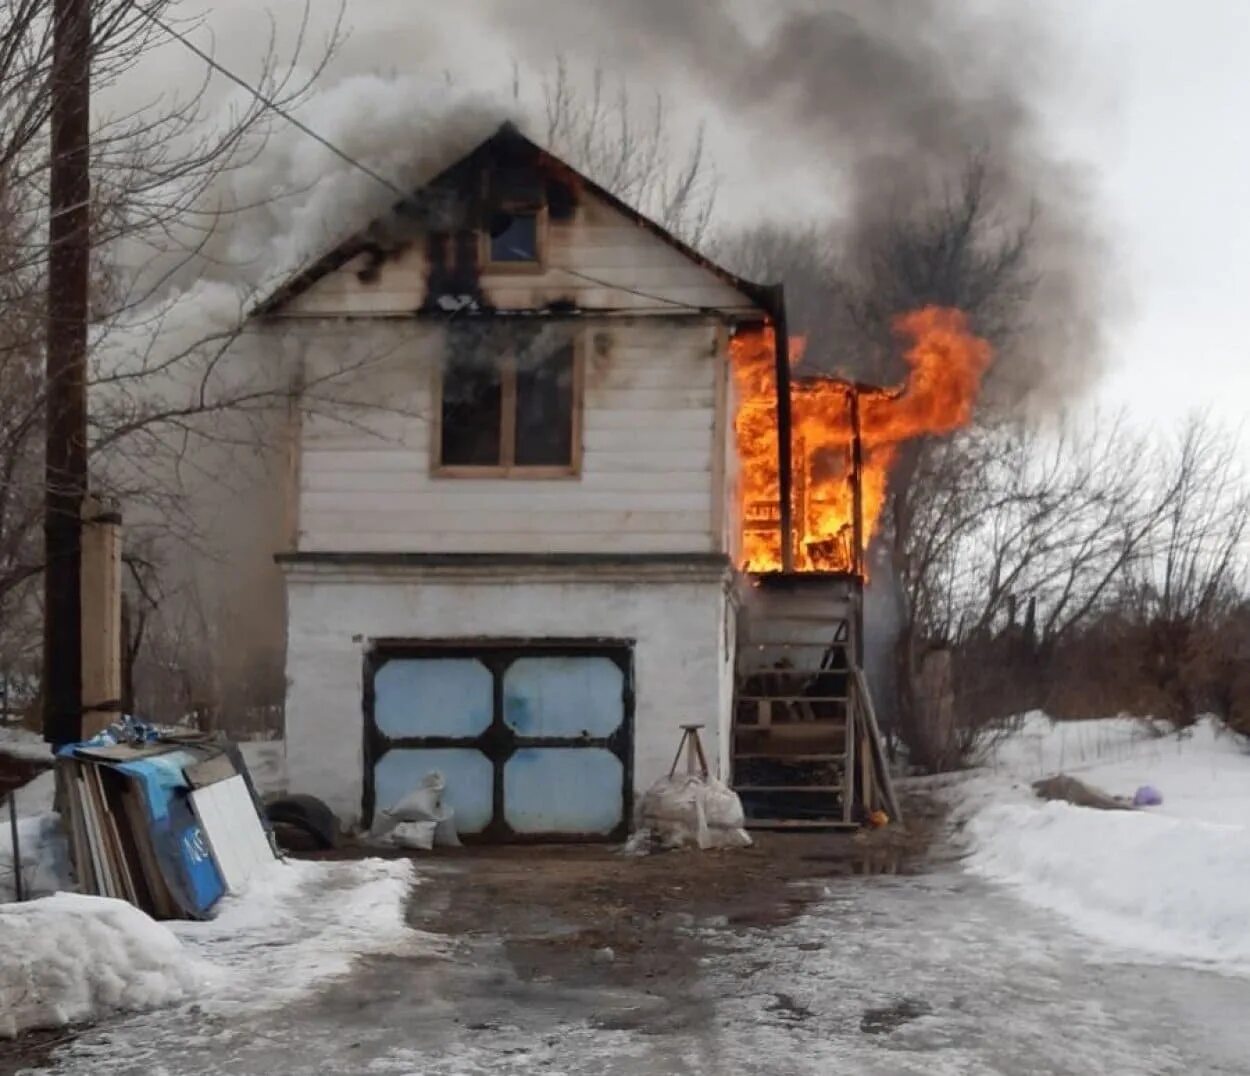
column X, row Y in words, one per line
column 1149, row 95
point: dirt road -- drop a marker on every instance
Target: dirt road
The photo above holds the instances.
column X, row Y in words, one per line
column 781, row 960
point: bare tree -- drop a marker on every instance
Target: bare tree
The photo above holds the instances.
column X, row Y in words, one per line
column 629, row 149
column 152, row 169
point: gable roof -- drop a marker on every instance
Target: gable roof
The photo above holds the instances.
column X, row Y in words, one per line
column 507, row 143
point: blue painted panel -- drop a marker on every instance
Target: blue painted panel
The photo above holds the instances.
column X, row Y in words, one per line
column 432, row 697
column 469, row 774
column 564, row 696
column 182, row 849
column 563, row 790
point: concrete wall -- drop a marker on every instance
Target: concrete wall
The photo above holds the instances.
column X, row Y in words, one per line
column 675, row 615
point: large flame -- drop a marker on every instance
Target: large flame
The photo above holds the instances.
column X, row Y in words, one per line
column 946, row 363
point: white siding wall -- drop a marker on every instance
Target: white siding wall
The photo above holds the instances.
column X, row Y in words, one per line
column 647, row 481
column 679, row 657
column 599, row 259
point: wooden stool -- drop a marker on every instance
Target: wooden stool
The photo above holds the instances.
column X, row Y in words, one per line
column 696, row 760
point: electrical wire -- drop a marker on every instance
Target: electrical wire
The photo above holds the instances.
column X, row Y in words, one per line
column 348, row 159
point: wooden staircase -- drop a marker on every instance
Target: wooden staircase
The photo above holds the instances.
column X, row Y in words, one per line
column 806, row 750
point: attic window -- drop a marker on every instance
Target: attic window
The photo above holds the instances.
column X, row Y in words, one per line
column 508, row 410
column 514, row 238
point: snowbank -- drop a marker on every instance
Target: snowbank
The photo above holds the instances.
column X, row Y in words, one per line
column 301, row 922
column 69, row 958
column 1168, row 881
column 45, row 851
column 22, row 743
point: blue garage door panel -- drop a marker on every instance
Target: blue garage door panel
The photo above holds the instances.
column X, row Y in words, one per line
column 563, row 790
column 433, row 697
column 469, row 774
column 564, row 696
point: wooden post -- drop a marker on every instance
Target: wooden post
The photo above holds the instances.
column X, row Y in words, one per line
column 785, row 474
column 69, row 266
column 101, row 617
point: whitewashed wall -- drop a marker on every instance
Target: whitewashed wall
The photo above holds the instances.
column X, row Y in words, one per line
column 677, row 615
column 651, row 460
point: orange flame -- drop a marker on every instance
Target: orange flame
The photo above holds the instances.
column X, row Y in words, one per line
column 947, row 362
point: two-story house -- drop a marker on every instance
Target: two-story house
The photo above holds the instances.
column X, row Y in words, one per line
column 512, row 555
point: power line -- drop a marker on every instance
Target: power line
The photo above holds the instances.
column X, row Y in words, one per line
column 269, row 102
column 360, row 166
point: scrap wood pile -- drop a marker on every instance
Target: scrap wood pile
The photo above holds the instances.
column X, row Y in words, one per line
column 170, row 823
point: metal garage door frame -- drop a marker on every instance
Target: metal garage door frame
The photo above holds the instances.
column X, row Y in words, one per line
column 499, row 742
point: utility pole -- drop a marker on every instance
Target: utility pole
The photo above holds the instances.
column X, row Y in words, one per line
column 69, row 252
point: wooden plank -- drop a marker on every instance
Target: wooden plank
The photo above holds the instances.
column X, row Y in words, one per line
column 210, row 771
column 848, row 802
column 399, row 541
column 880, row 763
column 787, row 788
column 415, row 484
column 781, row 756
column 137, row 817
column 454, row 500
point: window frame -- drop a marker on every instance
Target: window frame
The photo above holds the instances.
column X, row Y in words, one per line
column 507, row 421
column 539, row 265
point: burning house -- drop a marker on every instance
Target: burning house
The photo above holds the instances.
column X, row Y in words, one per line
column 579, row 503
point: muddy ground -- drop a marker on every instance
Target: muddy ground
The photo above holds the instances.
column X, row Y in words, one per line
column 590, row 916
column 803, row 956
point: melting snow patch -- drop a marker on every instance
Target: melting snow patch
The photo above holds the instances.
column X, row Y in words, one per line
column 1169, row 881
column 67, row 958
column 298, row 923
column 19, row 742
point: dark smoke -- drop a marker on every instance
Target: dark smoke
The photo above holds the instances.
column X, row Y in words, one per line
column 891, row 99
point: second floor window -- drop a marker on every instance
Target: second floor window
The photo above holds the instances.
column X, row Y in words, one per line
column 508, row 408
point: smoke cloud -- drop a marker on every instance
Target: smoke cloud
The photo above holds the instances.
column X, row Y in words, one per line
column 885, row 103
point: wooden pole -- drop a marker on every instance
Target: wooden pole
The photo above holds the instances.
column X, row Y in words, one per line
column 66, row 365
column 785, row 474
column 18, row 892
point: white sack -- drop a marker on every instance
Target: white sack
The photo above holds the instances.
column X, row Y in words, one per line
column 691, row 811
column 423, row 804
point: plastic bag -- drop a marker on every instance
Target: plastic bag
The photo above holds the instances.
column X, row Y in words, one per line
column 416, row 835
column 424, row 804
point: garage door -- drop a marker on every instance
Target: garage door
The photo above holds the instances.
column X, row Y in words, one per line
column 534, row 742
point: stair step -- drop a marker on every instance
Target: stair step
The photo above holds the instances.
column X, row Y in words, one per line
column 799, row 823
column 822, row 725
column 756, row 756
column 787, row 788
column 793, row 698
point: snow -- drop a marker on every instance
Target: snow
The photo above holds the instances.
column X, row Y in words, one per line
column 45, row 851
column 69, row 958
column 23, row 743
column 299, row 923
column 1166, row 882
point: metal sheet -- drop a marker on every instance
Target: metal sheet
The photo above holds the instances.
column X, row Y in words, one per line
column 533, row 740
column 563, row 790
column 564, row 696
column 433, row 697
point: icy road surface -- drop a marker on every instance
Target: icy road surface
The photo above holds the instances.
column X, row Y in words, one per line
column 932, row 973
